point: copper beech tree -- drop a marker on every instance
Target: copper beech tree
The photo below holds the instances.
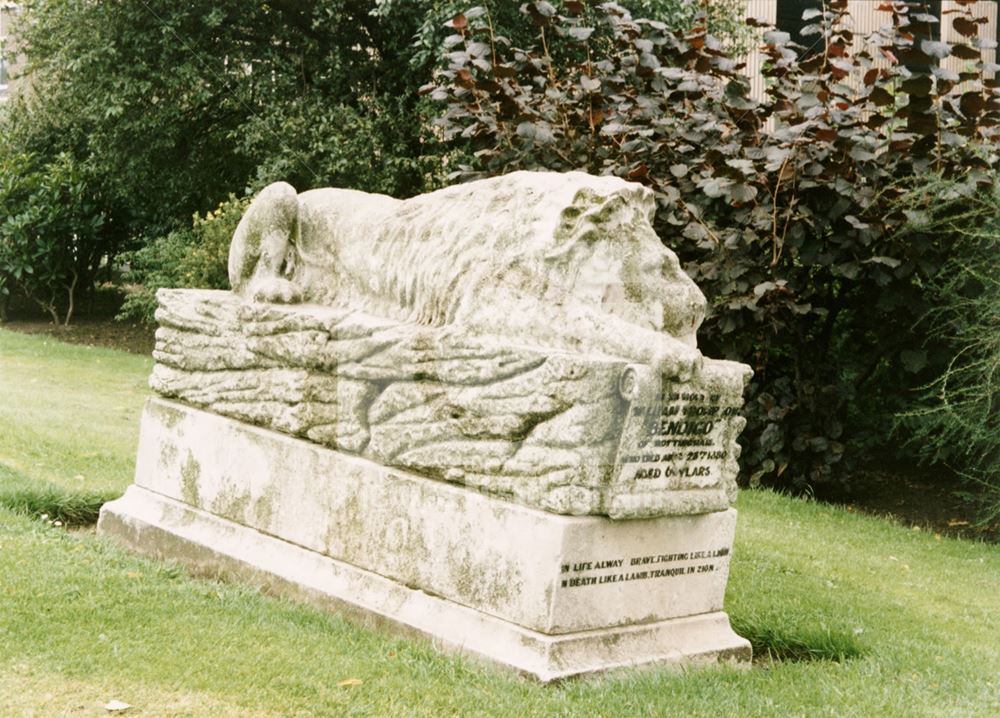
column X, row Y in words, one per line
column 795, row 213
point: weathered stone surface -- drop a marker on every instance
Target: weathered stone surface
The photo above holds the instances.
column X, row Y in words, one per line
column 548, row 428
column 167, row 529
column 551, row 595
column 443, row 411
column 566, row 261
column 483, row 334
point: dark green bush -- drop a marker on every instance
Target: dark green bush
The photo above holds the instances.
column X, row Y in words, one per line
column 194, row 257
column 50, row 231
column 783, row 210
column 170, row 107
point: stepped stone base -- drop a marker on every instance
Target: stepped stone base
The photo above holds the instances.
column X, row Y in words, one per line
column 549, row 595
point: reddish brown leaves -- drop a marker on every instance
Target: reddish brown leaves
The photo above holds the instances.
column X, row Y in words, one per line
column 965, row 27
column 768, row 201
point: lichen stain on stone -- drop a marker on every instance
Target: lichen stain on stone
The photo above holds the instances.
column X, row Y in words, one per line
column 611, row 640
column 466, row 578
column 396, row 535
column 263, row 510
column 232, row 504
column 494, row 585
column 416, row 546
column 169, row 417
column 347, row 529
column 190, row 473
column 168, row 456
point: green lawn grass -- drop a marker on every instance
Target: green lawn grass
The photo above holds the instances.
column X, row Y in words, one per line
column 864, row 617
column 69, row 424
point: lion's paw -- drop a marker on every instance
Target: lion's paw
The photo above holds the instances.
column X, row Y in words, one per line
column 678, row 360
column 275, row 290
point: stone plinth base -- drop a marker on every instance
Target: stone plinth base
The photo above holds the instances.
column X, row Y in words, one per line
column 552, row 596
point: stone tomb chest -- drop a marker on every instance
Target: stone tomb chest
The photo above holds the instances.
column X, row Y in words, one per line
column 479, row 413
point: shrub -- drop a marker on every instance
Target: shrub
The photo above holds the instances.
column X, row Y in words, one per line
column 195, row 257
column 957, row 419
column 205, row 263
column 50, row 231
column 783, row 210
column 171, row 106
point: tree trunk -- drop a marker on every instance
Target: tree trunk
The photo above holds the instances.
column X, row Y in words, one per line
column 70, row 295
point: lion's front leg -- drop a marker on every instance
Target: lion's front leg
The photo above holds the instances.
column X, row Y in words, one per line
column 263, row 245
column 673, row 358
column 580, row 327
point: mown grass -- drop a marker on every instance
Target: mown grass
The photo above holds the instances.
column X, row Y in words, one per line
column 69, row 421
column 861, row 617
column 48, row 501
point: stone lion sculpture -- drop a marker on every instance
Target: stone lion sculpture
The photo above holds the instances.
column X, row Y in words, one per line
column 568, row 261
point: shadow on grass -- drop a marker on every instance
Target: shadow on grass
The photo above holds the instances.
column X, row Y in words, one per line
column 39, row 498
column 774, row 642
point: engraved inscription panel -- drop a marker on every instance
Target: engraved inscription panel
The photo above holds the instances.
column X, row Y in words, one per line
column 677, row 439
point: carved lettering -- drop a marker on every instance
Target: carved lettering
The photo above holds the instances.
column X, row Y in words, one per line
column 643, row 567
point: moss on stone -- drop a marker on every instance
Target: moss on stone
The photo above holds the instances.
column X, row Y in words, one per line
column 232, row 504
column 169, row 417
column 263, row 510
column 190, row 473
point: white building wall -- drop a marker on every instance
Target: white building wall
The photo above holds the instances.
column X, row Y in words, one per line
column 867, row 20
column 766, row 10
column 7, row 12
column 986, row 8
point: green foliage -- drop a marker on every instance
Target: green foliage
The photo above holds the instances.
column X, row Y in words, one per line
column 310, row 142
column 152, row 267
column 783, row 210
column 337, row 100
column 205, row 262
column 195, row 257
column 724, row 18
column 50, row 228
column 957, row 420
column 144, row 94
column 172, row 106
